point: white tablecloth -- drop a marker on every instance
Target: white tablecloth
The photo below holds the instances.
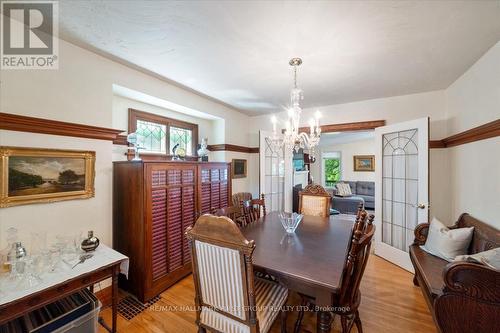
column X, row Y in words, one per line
column 102, row 256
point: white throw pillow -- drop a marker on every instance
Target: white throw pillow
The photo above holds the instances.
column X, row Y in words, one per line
column 447, row 243
column 490, row 258
column 343, row 189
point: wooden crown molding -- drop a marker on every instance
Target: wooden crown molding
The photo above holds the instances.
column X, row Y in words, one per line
column 344, row 127
column 486, row 131
column 122, row 140
column 13, row 122
column 234, row 148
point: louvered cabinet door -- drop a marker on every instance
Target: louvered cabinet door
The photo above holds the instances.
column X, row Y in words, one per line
column 215, row 188
column 188, row 210
column 173, row 209
column 159, row 264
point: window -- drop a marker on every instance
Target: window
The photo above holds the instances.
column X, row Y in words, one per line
column 331, row 168
column 332, row 171
column 182, row 137
column 161, row 134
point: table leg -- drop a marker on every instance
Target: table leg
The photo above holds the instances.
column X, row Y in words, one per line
column 324, row 322
column 114, row 297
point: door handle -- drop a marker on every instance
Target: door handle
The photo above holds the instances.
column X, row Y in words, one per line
column 421, row 206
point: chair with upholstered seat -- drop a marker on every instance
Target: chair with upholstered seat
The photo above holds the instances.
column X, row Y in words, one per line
column 228, row 297
column 314, row 200
column 254, row 209
column 346, row 302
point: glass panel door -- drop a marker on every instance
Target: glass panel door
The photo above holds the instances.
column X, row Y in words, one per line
column 272, row 174
column 401, row 188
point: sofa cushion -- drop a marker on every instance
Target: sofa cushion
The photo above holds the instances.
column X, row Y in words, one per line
column 490, row 258
column 447, row 243
column 367, row 198
column 365, row 188
column 430, row 269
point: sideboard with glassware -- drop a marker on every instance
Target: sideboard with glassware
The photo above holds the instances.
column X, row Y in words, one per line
column 40, row 276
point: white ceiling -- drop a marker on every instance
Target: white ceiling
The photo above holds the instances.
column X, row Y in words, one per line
column 238, row 52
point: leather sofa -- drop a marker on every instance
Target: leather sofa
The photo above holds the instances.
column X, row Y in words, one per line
column 463, row 296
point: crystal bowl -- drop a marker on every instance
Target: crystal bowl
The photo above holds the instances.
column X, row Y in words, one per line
column 290, row 221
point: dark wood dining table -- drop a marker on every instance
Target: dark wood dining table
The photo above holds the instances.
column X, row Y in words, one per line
column 310, row 261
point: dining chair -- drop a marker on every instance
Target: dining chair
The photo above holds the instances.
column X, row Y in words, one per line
column 253, row 209
column 233, row 212
column 314, row 200
column 228, row 297
column 237, row 198
column 346, row 302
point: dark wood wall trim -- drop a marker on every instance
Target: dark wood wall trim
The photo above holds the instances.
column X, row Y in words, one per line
column 122, row 140
column 486, row 131
column 13, row 122
column 235, row 148
column 436, row 144
column 356, row 126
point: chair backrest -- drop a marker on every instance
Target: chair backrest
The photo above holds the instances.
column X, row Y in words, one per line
column 237, row 198
column 314, row 200
column 222, row 273
column 233, row 212
column 357, row 257
column 254, row 209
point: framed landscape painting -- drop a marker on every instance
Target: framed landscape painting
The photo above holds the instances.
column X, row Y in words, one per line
column 33, row 175
column 364, row 163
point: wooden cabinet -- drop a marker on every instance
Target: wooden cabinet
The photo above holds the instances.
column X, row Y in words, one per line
column 153, row 204
column 215, row 187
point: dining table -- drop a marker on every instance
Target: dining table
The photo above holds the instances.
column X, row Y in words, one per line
column 309, row 261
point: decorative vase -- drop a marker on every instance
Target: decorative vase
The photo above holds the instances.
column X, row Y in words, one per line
column 90, row 243
column 203, row 151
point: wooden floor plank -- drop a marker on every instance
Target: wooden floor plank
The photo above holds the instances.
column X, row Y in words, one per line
column 390, row 304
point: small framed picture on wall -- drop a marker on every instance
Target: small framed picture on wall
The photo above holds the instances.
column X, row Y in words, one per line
column 239, row 168
column 364, row 162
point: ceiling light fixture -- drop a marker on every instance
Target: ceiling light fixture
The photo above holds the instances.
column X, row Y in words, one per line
column 291, row 138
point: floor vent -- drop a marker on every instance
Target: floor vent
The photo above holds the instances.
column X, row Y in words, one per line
column 129, row 306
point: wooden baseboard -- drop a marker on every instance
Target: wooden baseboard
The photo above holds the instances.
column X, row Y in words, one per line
column 104, row 295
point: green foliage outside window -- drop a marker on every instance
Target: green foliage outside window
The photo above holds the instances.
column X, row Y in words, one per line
column 332, row 171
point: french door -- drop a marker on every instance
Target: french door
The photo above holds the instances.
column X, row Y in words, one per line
column 272, row 174
column 402, row 187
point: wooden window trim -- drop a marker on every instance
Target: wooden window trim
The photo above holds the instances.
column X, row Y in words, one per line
column 134, row 115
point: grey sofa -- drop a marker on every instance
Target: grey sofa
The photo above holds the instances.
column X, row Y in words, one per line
column 362, row 189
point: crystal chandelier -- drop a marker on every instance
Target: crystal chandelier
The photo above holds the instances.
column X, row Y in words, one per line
column 292, row 139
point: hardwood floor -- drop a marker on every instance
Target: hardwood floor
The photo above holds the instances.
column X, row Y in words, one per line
column 390, row 303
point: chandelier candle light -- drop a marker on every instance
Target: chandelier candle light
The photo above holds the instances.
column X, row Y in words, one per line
column 292, row 139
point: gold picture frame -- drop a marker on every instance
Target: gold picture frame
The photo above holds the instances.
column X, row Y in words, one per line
column 364, row 162
column 36, row 175
column 239, row 168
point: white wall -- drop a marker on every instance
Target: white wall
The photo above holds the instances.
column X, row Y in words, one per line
column 393, row 110
column 347, row 151
column 472, row 100
column 65, row 217
column 81, row 91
